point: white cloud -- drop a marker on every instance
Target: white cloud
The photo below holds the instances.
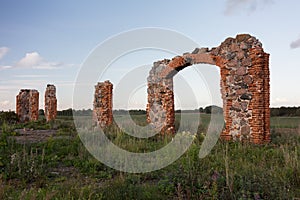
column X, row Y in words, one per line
column 283, row 101
column 233, row 6
column 3, row 51
column 5, row 105
column 30, row 59
column 5, row 67
column 295, row 44
column 35, row 61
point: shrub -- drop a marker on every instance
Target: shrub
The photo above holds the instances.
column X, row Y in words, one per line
column 9, row 117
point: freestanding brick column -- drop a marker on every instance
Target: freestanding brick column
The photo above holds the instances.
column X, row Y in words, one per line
column 245, row 88
column 27, row 105
column 50, row 103
column 102, row 112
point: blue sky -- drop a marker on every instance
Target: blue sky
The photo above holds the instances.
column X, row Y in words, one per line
column 47, row 41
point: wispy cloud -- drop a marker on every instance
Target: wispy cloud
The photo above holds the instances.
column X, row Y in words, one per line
column 30, row 59
column 283, row 101
column 5, row 105
column 3, row 51
column 30, row 76
column 35, row 61
column 5, row 67
column 295, row 44
column 66, row 83
column 232, row 6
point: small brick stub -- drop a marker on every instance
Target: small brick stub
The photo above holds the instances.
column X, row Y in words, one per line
column 102, row 111
column 245, row 88
column 27, row 105
column 50, row 103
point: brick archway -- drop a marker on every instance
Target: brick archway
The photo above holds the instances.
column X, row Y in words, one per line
column 245, row 88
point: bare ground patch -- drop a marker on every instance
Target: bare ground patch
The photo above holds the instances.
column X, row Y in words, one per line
column 28, row 136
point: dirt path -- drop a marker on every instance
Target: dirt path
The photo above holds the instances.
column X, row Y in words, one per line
column 34, row 136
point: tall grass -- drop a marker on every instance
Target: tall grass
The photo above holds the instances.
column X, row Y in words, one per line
column 61, row 168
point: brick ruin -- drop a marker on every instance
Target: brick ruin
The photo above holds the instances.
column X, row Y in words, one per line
column 27, row 105
column 245, row 90
column 50, row 103
column 102, row 109
column 244, row 68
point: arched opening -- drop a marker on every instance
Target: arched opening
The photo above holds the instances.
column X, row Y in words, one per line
column 203, row 81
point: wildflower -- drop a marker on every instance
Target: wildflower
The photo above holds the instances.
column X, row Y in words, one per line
column 13, row 158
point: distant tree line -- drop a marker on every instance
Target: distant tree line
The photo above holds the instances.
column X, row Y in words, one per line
column 89, row 112
column 131, row 112
column 282, row 111
column 67, row 112
column 207, row 110
column 11, row 117
column 137, row 112
column 211, row 109
column 187, row 111
column 285, row 111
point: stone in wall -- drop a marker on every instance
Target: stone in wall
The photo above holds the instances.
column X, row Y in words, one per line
column 27, row 105
column 102, row 111
column 50, row 103
column 245, row 88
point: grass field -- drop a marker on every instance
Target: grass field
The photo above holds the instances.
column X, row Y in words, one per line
column 59, row 166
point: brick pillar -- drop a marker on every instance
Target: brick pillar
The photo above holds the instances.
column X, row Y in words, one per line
column 50, row 103
column 102, row 112
column 260, row 121
column 168, row 106
column 160, row 107
column 27, row 105
column 226, row 97
column 267, row 134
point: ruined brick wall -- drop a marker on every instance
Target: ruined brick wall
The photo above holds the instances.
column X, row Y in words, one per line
column 160, row 107
column 50, row 103
column 244, row 68
column 27, row 105
column 102, row 111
